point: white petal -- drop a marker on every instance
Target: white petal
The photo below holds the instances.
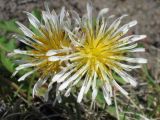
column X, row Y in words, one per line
column 56, row 77
column 106, row 96
column 137, row 50
column 69, row 31
column 126, row 77
column 27, row 65
column 65, row 76
column 116, row 23
column 51, row 52
column 14, row 73
column 76, row 17
column 128, row 47
column 119, row 88
column 88, row 85
column 81, row 93
column 29, row 43
column 75, row 76
column 38, row 84
column 59, row 98
column 94, row 88
column 132, row 23
column 108, row 88
column 54, row 58
column 102, row 12
column 94, row 94
column 62, row 14
column 53, row 13
column 25, row 40
column 89, row 13
column 77, row 80
column 124, row 29
column 64, row 85
column 128, row 59
column 102, row 28
column 135, row 38
column 54, row 52
column 73, row 37
column 35, row 88
column 104, row 76
column 128, row 67
column 75, row 58
column 46, row 7
column 135, row 60
column 46, row 21
column 94, row 81
column 131, row 39
column 23, row 66
column 100, row 15
column 25, row 30
column 18, row 51
column 26, row 75
column 33, row 20
column 59, row 75
column 50, row 86
column 28, row 32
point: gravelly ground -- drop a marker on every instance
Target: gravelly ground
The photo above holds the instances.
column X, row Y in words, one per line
column 147, row 12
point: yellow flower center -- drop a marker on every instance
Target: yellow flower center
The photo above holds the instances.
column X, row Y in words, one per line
column 97, row 53
column 53, row 41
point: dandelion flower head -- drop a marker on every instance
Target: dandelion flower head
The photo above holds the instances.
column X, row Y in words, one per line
column 48, row 35
column 99, row 51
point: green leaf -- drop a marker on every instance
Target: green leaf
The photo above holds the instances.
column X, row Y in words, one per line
column 37, row 14
column 9, row 26
column 2, row 45
column 7, row 63
column 119, row 79
column 150, row 80
column 112, row 111
column 150, row 100
column 100, row 99
column 5, row 47
column 11, row 45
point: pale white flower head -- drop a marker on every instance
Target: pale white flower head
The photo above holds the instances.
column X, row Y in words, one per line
column 98, row 51
column 49, row 38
